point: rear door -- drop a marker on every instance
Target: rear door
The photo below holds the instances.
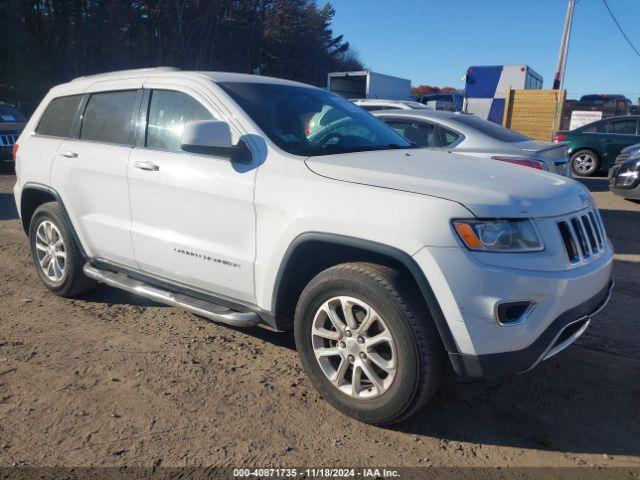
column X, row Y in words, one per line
column 56, row 123
column 90, row 171
column 193, row 217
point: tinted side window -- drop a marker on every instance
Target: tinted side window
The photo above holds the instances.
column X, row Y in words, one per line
column 626, row 127
column 57, row 119
column 422, row 134
column 169, row 111
column 108, row 117
column 9, row 114
column 448, row 136
column 491, row 129
column 371, row 108
column 596, row 128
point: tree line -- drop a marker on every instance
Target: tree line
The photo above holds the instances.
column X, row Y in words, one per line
column 46, row 42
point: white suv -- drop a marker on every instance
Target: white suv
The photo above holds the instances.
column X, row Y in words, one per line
column 208, row 191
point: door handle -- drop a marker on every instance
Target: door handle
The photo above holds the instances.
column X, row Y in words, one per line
column 68, row 154
column 147, row 166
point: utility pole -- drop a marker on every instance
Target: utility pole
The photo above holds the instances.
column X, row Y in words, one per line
column 558, row 81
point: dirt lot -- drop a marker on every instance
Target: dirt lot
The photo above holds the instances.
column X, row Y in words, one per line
column 110, row 379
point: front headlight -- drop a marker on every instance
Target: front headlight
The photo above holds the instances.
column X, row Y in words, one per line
column 499, row 235
column 628, row 174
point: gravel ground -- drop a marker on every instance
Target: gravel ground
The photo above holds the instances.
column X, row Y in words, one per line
column 111, row 379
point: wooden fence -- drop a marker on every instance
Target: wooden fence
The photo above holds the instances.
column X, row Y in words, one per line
column 534, row 113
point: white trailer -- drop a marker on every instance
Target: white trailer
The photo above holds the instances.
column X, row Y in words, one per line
column 368, row 84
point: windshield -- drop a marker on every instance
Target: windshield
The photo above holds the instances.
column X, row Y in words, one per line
column 601, row 99
column 490, row 129
column 417, row 105
column 311, row 122
column 9, row 114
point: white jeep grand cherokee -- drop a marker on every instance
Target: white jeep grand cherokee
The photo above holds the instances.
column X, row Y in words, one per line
column 220, row 193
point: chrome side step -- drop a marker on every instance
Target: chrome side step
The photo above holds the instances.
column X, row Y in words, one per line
column 212, row 311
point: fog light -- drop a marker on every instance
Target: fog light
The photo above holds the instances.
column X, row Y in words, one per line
column 513, row 313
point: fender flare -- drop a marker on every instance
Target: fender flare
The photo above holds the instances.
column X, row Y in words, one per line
column 58, row 198
column 379, row 248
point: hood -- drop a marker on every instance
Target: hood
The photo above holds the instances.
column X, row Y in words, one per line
column 486, row 187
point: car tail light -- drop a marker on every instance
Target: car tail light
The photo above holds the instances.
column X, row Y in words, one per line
column 525, row 162
column 15, row 151
column 560, row 137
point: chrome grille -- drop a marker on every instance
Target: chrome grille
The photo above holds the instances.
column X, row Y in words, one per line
column 8, row 139
column 621, row 158
column 583, row 236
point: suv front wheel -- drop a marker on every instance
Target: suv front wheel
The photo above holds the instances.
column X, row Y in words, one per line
column 367, row 343
column 55, row 253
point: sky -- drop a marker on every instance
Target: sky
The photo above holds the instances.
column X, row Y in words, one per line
column 434, row 42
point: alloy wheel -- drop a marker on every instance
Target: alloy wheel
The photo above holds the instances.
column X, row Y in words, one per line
column 584, row 164
column 354, row 347
column 51, row 251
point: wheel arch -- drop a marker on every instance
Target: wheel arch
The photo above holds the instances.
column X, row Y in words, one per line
column 310, row 253
column 35, row 194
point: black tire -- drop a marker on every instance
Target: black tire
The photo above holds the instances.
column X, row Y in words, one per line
column 577, row 159
column 420, row 354
column 73, row 281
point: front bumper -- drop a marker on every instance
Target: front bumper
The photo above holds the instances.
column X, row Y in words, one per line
column 468, row 292
column 562, row 332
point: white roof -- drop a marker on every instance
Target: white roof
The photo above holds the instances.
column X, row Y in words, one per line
column 170, row 72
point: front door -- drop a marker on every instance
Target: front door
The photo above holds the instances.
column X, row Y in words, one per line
column 193, row 218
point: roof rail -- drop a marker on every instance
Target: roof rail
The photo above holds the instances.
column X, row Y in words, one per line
column 124, row 72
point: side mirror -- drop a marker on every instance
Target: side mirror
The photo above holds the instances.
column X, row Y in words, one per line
column 213, row 137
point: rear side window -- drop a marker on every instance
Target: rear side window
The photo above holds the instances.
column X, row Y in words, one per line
column 10, row 114
column 422, row 134
column 57, row 119
column 169, row 111
column 372, row 108
column 490, row 129
column 596, row 128
column 448, row 136
column 108, row 117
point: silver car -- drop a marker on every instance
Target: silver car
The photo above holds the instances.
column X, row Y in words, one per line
column 470, row 135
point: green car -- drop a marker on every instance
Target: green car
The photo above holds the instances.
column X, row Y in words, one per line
column 594, row 147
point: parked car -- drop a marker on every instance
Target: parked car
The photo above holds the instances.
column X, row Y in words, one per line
column 205, row 191
column 594, row 147
column 626, row 152
column 378, row 104
column 450, row 102
column 609, row 104
column 11, row 124
column 624, row 176
column 470, row 135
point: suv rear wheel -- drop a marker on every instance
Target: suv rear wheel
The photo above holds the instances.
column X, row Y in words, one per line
column 367, row 343
column 55, row 253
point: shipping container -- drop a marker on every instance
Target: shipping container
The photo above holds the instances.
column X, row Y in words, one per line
column 368, row 84
column 486, row 88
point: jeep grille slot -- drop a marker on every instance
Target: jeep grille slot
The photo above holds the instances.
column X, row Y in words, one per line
column 583, row 236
